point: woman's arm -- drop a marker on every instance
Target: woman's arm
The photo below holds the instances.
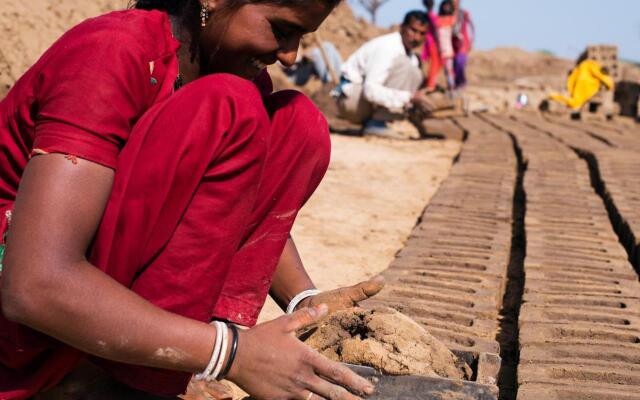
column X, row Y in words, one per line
column 49, row 285
column 291, row 278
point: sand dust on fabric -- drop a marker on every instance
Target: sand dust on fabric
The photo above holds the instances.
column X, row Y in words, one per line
column 387, row 340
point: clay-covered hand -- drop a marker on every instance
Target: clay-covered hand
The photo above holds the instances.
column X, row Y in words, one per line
column 347, row 297
column 272, row 363
column 421, row 99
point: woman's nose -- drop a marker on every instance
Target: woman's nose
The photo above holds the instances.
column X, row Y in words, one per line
column 287, row 57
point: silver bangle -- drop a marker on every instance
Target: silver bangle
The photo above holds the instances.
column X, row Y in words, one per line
column 215, row 352
column 299, row 297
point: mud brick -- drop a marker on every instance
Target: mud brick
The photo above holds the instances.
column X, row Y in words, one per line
column 604, row 247
column 570, row 270
column 488, row 368
column 478, row 306
column 564, row 234
column 454, row 224
column 624, row 288
column 547, row 219
column 426, row 232
column 480, row 299
column 469, row 280
column 621, row 319
column 443, row 128
column 481, row 247
column 468, row 220
column 483, row 328
column 577, row 302
column 433, row 286
column 427, row 225
column 569, row 391
column 453, row 218
column 583, row 258
column 576, row 277
column 408, row 260
column 574, row 233
column 460, row 323
column 575, row 216
column 589, row 354
column 581, row 375
column 478, row 247
column 549, row 211
column 476, row 126
column 584, row 241
column 456, row 341
column 490, row 213
column 532, row 333
column 440, row 284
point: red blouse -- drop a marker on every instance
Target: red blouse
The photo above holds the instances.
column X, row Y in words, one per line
column 82, row 97
column 86, row 92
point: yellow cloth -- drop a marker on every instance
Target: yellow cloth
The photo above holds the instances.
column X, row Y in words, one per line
column 583, row 83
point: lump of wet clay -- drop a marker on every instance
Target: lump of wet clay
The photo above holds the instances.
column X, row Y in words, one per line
column 386, row 340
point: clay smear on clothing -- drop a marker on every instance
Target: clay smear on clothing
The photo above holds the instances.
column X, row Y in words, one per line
column 385, row 339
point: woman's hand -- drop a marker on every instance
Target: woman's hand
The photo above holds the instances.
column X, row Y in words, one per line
column 347, row 297
column 272, row 363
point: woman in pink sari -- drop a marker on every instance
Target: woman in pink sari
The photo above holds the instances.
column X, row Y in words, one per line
column 431, row 48
column 463, row 38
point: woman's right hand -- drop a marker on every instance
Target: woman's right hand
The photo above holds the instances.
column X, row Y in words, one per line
column 272, row 363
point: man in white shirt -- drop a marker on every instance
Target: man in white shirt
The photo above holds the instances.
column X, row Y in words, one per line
column 380, row 81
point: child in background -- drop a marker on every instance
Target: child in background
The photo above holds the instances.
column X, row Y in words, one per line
column 446, row 23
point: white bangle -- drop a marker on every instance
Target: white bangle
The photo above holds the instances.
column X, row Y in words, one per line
column 217, row 345
column 299, row 297
column 223, row 354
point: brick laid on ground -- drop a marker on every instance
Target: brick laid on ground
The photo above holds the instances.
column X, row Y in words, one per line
column 614, row 151
column 450, row 276
column 580, row 318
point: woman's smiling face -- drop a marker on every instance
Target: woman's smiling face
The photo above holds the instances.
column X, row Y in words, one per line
column 257, row 35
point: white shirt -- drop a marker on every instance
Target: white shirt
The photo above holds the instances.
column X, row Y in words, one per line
column 370, row 66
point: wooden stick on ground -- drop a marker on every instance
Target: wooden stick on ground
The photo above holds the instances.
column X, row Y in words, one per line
column 333, row 75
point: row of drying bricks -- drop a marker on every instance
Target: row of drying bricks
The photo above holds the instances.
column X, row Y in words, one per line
column 580, row 318
column 613, row 149
column 451, row 274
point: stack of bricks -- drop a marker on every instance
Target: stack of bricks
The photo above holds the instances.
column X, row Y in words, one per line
column 580, row 319
column 450, row 276
column 607, row 57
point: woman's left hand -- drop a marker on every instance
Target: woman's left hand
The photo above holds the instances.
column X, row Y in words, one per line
column 347, row 297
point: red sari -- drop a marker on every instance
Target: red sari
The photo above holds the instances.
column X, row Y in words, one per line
column 208, row 181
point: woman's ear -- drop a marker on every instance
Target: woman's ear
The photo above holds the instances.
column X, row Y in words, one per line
column 212, row 5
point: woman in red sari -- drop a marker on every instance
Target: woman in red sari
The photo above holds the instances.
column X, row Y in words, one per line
column 150, row 179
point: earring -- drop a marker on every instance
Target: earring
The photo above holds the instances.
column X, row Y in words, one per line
column 204, row 14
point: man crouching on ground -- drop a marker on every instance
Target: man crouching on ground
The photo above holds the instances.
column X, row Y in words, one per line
column 380, row 82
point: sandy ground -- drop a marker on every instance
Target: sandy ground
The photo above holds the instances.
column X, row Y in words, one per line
column 366, row 206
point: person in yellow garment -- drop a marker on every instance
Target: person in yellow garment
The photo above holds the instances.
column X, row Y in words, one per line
column 583, row 83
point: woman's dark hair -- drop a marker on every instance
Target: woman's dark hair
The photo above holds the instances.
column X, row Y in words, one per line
column 192, row 7
column 188, row 11
column 429, row 4
column 446, row 8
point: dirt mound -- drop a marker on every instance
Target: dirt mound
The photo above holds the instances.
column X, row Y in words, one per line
column 29, row 28
column 346, row 31
column 33, row 26
column 510, row 64
column 386, row 340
